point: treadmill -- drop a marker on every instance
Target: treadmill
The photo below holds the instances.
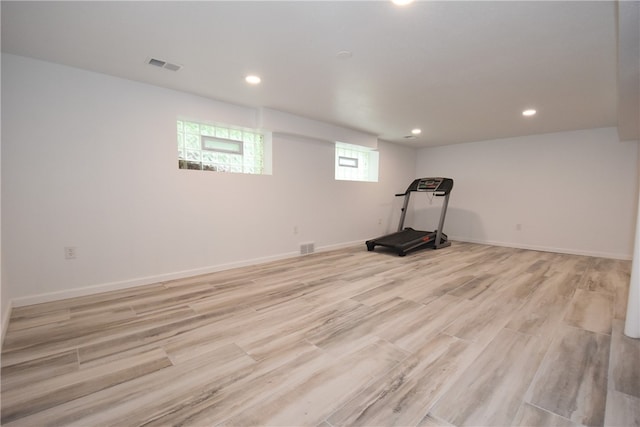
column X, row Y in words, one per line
column 407, row 239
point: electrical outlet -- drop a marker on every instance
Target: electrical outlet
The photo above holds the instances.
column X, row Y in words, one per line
column 70, row 252
column 295, row 229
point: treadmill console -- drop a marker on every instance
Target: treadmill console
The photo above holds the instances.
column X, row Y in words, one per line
column 438, row 186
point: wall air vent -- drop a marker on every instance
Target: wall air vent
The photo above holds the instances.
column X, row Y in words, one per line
column 163, row 64
column 307, row 248
column 172, row 67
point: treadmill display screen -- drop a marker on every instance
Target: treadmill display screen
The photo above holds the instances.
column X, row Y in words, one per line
column 430, row 184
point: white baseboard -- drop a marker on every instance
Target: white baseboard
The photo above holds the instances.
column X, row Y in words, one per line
column 113, row 286
column 140, row 281
column 625, row 257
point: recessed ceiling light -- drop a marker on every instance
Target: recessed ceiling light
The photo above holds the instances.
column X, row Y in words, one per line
column 416, row 131
column 344, row 54
column 252, row 79
column 528, row 113
column 401, row 2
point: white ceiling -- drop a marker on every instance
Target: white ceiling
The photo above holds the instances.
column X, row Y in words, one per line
column 461, row 71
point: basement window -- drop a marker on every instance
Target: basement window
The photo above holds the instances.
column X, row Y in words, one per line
column 218, row 148
column 356, row 163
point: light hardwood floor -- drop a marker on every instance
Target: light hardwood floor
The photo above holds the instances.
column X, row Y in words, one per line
column 466, row 335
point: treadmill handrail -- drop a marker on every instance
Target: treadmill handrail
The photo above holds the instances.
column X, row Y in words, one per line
column 435, row 193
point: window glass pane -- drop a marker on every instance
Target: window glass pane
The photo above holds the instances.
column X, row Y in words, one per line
column 222, row 133
column 220, row 145
column 248, row 137
column 191, row 127
column 350, row 162
column 207, row 130
column 192, row 141
column 193, row 155
column 219, row 148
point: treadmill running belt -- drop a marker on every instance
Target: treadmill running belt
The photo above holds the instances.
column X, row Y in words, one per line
column 402, row 238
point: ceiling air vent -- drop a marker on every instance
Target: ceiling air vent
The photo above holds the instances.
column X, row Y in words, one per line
column 163, row 64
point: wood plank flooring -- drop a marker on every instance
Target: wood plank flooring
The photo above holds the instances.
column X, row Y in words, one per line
column 467, row 335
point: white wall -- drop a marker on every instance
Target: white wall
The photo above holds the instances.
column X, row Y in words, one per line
column 4, row 288
column 632, row 320
column 89, row 160
column 572, row 192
